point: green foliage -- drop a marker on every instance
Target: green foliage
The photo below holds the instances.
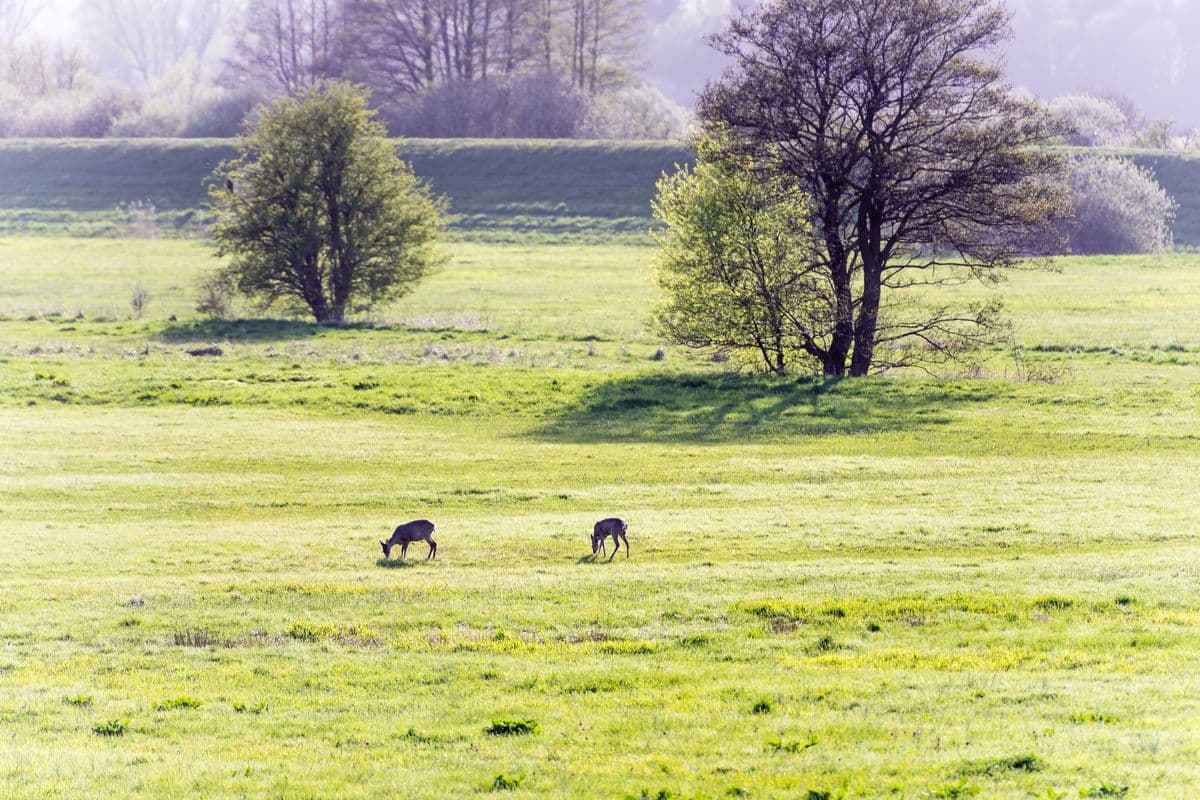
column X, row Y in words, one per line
column 246, row 708
column 992, row 768
column 176, row 702
column 512, row 727
column 1094, row 121
column 322, row 213
column 649, row 794
column 306, row 631
column 763, row 705
column 1118, row 208
column 951, row 791
column 1105, row 790
column 736, row 261
column 112, row 727
column 792, row 746
column 507, row 783
column 78, row 700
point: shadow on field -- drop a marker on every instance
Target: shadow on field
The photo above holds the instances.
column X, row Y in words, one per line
column 398, row 563
column 727, row 407
column 253, row 330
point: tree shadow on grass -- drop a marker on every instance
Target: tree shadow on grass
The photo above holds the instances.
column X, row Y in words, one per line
column 254, row 330
column 704, row 408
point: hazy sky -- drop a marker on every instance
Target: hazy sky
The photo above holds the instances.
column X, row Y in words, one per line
column 1146, row 49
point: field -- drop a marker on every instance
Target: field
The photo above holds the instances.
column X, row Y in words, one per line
column 905, row 587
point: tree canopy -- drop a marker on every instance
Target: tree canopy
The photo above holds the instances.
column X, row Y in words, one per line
column 735, row 261
column 318, row 212
column 922, row 166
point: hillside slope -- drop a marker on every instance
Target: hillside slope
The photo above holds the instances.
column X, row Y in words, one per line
column 495, row 186
column 498, row 188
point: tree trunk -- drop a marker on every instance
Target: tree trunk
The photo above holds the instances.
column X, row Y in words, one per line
column 833, row 362
column 867, row 324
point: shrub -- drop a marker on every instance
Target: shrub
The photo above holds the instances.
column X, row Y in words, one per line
column 221, row 113
column 536, row 106
column 762, row 706
column 245, row 708
column 113, row 727
column 197, row 638
column 82, row 113
column 636, row 112
column 797, row 746
column 177, row 702
column 1095, row 121
column 507, row 783
column 1118, row 208
column 147, row 121
column 1027, row 762
column 78, row 700
column 512, row 727
column 139, row 298
column 214, row 295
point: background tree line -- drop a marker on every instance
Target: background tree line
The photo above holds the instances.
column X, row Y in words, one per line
column 561, row 68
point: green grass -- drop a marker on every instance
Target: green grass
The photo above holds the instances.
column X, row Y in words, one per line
column 904, row 587
column 502, row 190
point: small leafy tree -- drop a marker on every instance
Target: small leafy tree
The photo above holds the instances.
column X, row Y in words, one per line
column 736, row 261
column 318, row 211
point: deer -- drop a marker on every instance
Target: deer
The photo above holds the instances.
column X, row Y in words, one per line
column 610, row 527
column 409, row 532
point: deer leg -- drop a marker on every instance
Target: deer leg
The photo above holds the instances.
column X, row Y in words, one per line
column 626, row 541
column 432, row 549
column 616, row 547
column 404, row 551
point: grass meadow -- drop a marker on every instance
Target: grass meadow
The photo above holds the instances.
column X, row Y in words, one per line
column 905, row 587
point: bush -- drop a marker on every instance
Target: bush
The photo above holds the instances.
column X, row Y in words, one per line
column 536, row 106
column 512, row 727
column 149, row 120
column 221, row 114
column 1095, row 122
column 83, row 113
column 214, row 298
column 113, row 727
column 1118, row 208
column 638, row 112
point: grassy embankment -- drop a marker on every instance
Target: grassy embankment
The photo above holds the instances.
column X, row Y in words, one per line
column 888, row 588
column 501, row 190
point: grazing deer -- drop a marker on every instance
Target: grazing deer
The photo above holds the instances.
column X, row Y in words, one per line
column 610, row 527
column 409, row 532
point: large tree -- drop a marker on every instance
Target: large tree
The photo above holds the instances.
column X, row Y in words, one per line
column 922, row 166
column 317, row 211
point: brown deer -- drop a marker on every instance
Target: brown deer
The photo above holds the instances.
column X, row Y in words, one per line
column 610, row 527
column 409, row 532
